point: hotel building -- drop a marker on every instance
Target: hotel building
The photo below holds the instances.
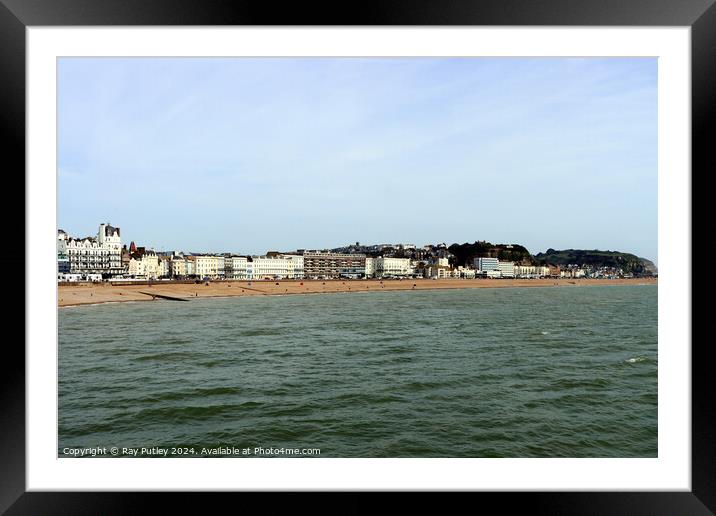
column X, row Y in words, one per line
column 277, row 267
column 101, row 255
column 386, row 267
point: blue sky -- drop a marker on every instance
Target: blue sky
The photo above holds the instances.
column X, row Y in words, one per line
column 249, row 155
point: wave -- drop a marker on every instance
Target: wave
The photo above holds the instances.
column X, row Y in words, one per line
column 196, row 393
column 170, row 356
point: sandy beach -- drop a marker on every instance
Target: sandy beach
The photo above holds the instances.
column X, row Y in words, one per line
column 82, row 294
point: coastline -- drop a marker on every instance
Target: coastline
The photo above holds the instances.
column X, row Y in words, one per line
column 94, row 294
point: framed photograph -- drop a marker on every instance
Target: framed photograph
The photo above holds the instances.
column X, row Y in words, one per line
column 438, row 250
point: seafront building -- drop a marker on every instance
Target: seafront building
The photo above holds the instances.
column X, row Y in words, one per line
column 165, row 266
column 103, row 258
column 178, row 267
column 531, row 271
column 369, row 267
column 277, row 266
column 485, row 263
column 63, row 263
column 208, row 265
column 235, row 267
column 388, row 267
column 144, row 266
column 465, row 272
column 507, row 269
column 327, row 264
column 99, row 256
column 126, row 256
column 437, row 272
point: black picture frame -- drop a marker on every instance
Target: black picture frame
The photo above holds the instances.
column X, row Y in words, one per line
column 16, row 15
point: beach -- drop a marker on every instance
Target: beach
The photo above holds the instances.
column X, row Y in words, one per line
column 94, row 293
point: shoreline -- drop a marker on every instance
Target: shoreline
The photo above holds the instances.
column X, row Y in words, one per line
column 96, row 294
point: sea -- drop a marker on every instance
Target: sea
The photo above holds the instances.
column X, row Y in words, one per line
column 487, row 372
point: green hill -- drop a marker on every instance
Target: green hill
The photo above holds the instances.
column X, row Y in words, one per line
column 465, row 253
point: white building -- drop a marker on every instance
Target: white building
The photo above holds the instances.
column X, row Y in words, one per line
column 507, row 269
column 136, row 268
column 486, row 263
column 265, row 267
column 177, row 267
column 524, row 271
column 572, row 273
column 277, row 267
column 385, row 267
column 464, row 272
column 208, row 266
column 147, row 266
column 93, row 255
column 165, row 267
column 63, row 276
column 369, row 267
column 190, row 266
column 438, row 272
column 236, row 267
column 296, row 265
column 531, row 271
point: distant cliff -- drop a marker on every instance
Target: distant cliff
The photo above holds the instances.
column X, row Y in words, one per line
column 629, row 263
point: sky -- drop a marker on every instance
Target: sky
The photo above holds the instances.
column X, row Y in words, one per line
column 248, row 155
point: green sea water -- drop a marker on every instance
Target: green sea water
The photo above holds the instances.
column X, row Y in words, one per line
column 506, row 372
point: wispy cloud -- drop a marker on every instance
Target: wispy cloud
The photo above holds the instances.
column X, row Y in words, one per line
column 254, row 154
